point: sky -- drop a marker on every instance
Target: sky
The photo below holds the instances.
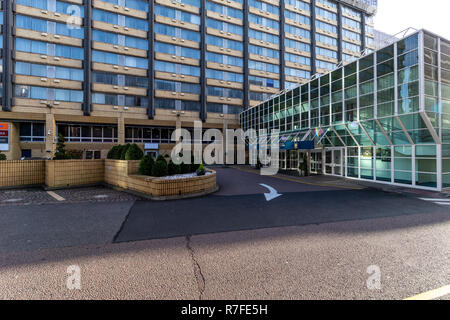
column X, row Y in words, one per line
column 394, row 16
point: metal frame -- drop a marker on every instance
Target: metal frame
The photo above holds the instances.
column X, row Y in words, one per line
column 151, row 63
column 203, row 112
column 8, row 19
column 246, row 84
column 87, row 61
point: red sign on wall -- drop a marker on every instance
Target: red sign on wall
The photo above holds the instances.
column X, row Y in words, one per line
column 3, row 133
column 4, row 126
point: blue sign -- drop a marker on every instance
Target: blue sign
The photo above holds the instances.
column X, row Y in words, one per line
column 300, row 145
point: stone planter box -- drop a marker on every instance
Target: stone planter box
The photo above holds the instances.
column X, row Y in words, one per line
column 16, row 173
column 123, row 174
column 70, row 173
column 57, row 174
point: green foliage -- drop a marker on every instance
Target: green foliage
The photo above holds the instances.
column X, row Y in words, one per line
column 124, row 151
column 134, row 153
column 185, row 168
column 201, row 170
column 160, row 169
column 61, row 153
column 2, row 157
column 174, row 168
column 146, row 165
column 160, row 158
column 114, row 153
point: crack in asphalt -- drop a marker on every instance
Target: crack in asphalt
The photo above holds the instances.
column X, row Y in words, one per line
column 114, row 240
column 199, row 277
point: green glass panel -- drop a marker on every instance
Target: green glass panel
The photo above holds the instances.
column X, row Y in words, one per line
column 408, row 75
column 352, row 172
column 426, row 180
column 385, row 82
column 384, row 175
column 426, row 165
column 402, row 177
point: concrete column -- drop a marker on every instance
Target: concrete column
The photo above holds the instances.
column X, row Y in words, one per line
column 50, row 136
column 121, row 129
column 14, row 152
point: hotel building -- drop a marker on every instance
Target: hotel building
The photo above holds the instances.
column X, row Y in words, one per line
column 119, row 71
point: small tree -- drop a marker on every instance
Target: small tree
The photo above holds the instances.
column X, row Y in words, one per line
column 160, row 169
column 173, row 168
column 201, row 170
column 146, row 165
column 61, row 153
column 2, row 157
column 134, row 153
column 115, row 153
column 160, row 158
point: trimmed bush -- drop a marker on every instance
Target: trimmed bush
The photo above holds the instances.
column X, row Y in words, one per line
column 185, row 168
column 124, row 151
column 160, row 158
column 201, row 170
column 160, row 169
column 146, row 165
column 134, row 153
column 173, row 168
column 114, row 153
column 2, row 157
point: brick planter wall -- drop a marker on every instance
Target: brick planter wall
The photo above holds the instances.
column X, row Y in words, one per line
column 124, row 175
column 15, row 173
column 70, row 173
column 120, row 173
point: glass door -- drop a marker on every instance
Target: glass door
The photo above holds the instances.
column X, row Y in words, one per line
column 316, row 162
column 337, row 162
column 334, row 161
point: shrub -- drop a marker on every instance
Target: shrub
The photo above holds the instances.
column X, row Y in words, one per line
column 160, row 169
column 114, row 153
column 173, row 168
column 124, row 151
column 146, row 165
column 185, row 168
column 134, row 153
column 201, row 170
column 160, row 158
column 2, row 157
column 61, row 153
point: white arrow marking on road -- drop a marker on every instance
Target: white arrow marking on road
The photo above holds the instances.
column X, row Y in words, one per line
column 273, row 193
column 437, row 199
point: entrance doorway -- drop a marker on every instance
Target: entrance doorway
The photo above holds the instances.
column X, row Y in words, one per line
column 316, row 162
column 334, row 161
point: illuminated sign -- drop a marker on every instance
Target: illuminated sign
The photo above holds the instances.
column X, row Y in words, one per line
column 4, row 137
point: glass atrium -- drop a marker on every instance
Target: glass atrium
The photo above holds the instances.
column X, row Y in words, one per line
column 384, row 117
